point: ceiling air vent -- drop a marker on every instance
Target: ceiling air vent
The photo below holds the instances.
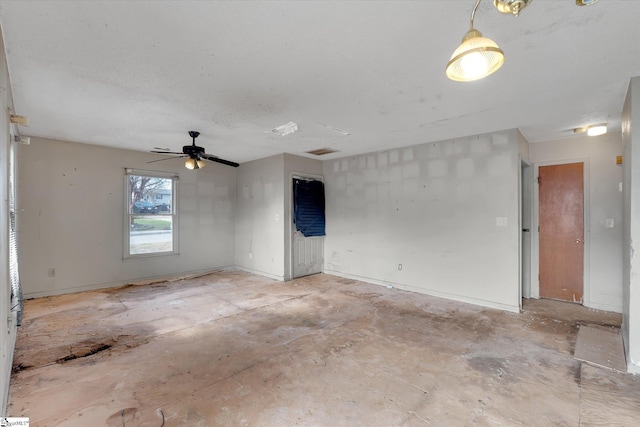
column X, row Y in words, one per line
column 322, row 151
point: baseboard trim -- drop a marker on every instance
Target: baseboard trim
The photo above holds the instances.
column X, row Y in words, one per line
column 603, row 307
column 453, row 297
column 260, row 273
column 135, row 282
column 633, row 368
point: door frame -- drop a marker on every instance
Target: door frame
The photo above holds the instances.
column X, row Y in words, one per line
column 535, row 224
column 289, row 227
column 525, row 209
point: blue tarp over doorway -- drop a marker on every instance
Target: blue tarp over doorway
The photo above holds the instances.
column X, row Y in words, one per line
column 308, row 207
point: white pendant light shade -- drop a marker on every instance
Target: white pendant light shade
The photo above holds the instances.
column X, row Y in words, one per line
column 475, row 58
column 201, row 163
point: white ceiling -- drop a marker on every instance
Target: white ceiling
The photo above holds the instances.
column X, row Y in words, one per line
column 139, row 75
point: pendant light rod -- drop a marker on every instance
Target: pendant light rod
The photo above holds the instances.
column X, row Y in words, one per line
column 473, row 12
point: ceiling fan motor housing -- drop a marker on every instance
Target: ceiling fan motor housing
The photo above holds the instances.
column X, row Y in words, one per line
column 192, row 150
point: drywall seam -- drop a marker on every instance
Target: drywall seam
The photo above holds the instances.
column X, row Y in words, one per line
column 453, row 297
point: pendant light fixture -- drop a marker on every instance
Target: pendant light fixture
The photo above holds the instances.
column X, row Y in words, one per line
column 476, row 57
column 585, row 2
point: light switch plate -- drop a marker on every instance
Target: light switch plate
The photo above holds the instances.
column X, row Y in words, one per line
column 609, row 223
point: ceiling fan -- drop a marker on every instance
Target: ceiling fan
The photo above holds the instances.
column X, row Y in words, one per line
column 195, row 155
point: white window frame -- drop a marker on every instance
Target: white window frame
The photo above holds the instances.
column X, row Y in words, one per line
column 175, row 178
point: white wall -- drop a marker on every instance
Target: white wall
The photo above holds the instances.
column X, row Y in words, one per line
column 260, row 217
column 263, row 219
column 524, row 148
column 433, row 209
column 72, row 217
column 8, row 332
column 603, row 199
column 631, row 262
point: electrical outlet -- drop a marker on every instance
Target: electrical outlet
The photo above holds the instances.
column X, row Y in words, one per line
column 501, row 221
column 52, row 272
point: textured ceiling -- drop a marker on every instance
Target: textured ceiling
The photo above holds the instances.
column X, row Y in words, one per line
column 140, row 74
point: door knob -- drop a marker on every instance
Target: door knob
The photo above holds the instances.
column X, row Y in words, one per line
column 578, row 241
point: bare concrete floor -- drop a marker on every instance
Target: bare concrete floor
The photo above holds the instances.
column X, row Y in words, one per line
column 233, row 349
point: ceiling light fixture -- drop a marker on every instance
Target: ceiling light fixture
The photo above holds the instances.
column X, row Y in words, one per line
column 511, row 6
column 593, row 130
column 476, row 57
column 585, row 2
column 597, row 130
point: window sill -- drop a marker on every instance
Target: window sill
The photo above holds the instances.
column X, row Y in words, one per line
column 137, row 257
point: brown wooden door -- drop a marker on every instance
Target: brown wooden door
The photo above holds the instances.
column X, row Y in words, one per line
column 562, row 232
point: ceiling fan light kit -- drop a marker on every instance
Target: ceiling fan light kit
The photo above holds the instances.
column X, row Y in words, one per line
column 193, row 163
column 585, row 2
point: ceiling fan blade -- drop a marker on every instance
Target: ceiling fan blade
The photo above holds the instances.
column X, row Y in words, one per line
column 165, row 152
column 219, row 160
column 167, row 158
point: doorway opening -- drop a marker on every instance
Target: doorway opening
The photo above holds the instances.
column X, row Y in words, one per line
column 526, row 181
column 307, row 225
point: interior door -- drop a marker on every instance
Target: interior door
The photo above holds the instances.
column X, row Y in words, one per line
column 308, row 255
column 562, row 231
column 307, row 251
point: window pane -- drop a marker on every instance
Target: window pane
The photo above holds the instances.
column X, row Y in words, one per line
column 151, row 233
column 150, row 195
column 151, row 215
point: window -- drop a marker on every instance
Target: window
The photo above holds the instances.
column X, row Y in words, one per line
column 150, row 214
